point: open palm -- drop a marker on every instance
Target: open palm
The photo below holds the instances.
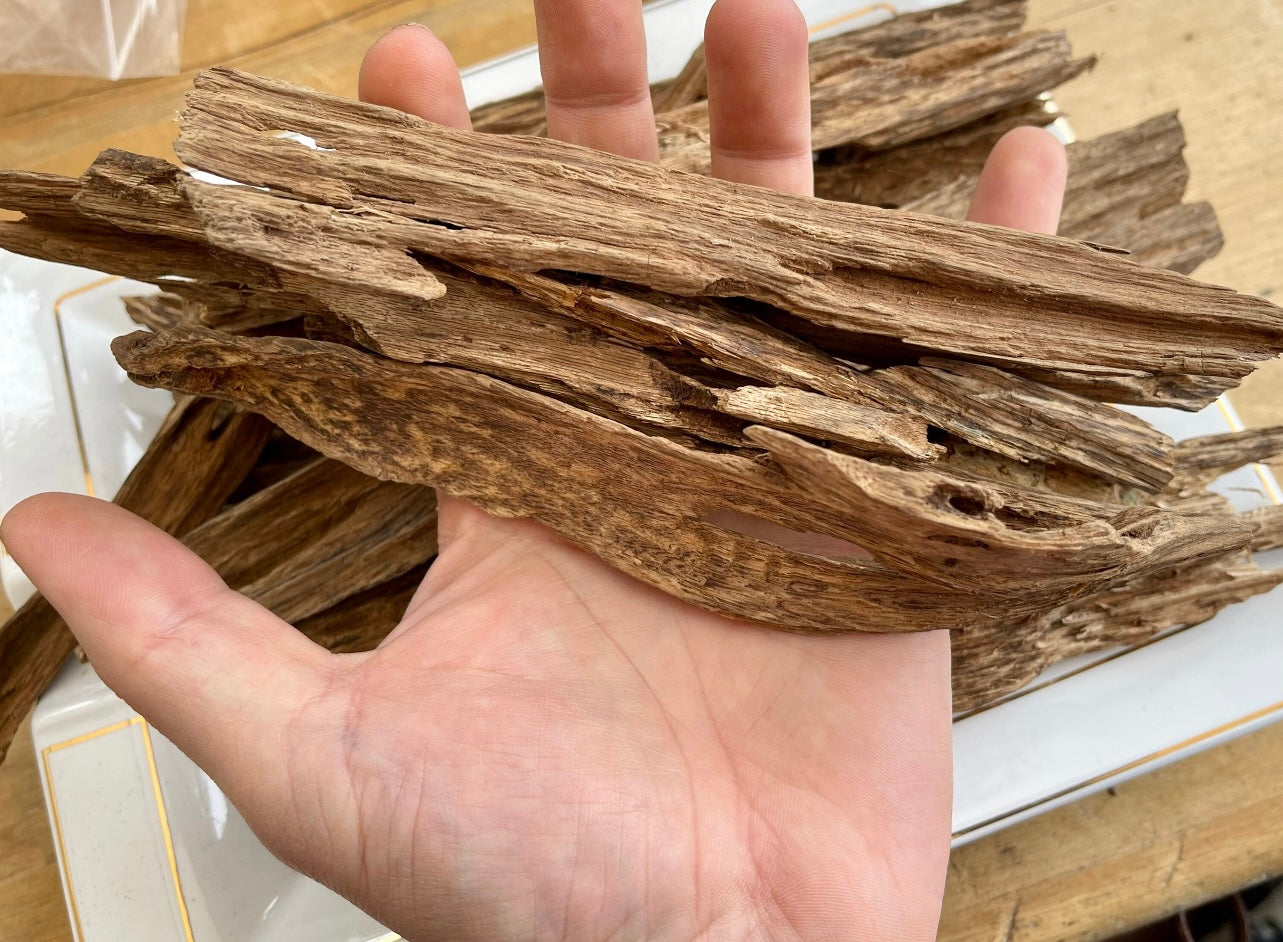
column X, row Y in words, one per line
column 546, row 748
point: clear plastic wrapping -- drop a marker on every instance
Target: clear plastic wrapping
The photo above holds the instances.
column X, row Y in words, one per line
column 112, row 39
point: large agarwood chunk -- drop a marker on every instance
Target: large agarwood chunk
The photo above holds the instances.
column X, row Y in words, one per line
column 669, row 369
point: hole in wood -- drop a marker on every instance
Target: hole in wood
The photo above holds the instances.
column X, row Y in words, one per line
column 795, row 541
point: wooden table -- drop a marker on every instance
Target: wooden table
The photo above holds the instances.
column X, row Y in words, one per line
column 1190, row 832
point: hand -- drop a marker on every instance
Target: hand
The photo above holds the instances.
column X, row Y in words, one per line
column 545, row 748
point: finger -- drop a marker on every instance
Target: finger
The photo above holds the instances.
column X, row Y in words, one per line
column 759, row 94
column 411, row 70
column 1022, row 185
column 593, row 57
column 219, row 675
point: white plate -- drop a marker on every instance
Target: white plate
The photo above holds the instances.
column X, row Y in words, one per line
column 150, row 849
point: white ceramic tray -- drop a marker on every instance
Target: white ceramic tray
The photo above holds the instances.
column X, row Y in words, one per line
column 150, row 849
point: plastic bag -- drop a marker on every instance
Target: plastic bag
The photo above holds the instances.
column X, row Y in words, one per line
column 106, row 38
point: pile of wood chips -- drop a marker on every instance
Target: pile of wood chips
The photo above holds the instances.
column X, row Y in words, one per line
column 679, row 374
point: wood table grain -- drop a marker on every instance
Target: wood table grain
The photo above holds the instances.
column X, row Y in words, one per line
column 1187, row 833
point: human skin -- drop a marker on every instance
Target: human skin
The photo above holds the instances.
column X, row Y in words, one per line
column 546, row 748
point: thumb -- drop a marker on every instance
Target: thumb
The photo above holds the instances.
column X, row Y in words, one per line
column 220, row 676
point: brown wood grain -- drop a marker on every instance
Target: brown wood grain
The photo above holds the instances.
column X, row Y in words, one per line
column 1085, row 871
column 922, row 271
column 1174, row 838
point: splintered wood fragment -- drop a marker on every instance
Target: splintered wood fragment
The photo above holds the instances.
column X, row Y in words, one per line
column 489, row 442
column 362, row 622
column 128, row 214
column 1200, row 461
column 391, row 531
column 1124, row 190
column 892, row 38
column 880, row 103
column 1179, row 238
column 690, row 85
column 161, row 260
column 137, row 194
column 1106, row 173
column 898, row 36
column 734, row 342
column 1016, row 417
column 865, row 431
column 943, row 286
column 38, row 194
column 1268, row 522
column 495, row 330
column 908, row 33
column 898, row 176
column 1026, row 420
column 483, row 440
column 1188, row 596
column 987, row 666
column 992, row 661
column 198, row 457
column 1123, row 175
column 158, row 311
column 321, row 535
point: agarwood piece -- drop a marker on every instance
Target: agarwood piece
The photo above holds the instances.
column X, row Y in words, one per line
column 1124, row 189
column 1127, row 174
column 898, row 176
column 362, row 622
column 990, row 662
column 1025, row 420
column 1133, row 386
column 898, row 36
column 1031, row 508
column 505, row 448
column 198, row 457
column 907, row 33
column 863, row 430
column 949, row 287
column 157, row 259
column 642, row 502
column 1268, row 522
column 158, row 311
column 387, row 532
column 38, row 194
column 281, row 457
column 1141, row 168
column 1179, row 238
column 493, row 329
column 881, row 103
column 519, row 114
column 127, row 213
column 689, row 86
column 319, row 536
column 1200, row 461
